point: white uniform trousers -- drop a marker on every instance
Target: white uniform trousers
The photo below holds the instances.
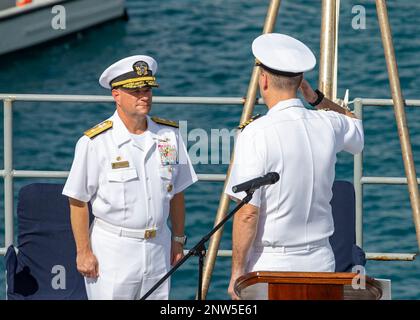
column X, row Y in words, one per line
column 129, row 267
column 315, row 257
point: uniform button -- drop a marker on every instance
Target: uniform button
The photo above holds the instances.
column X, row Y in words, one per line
column 147, row 178
column 149, row 198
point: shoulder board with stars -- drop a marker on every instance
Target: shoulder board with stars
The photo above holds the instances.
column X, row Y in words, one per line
column 99, row 128
column 244, row 124
column 165, row 122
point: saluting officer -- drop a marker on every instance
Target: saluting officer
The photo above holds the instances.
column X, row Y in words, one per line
column 133, row 169
column 286, row 226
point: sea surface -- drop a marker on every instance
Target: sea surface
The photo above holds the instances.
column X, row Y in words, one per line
column 204, row 49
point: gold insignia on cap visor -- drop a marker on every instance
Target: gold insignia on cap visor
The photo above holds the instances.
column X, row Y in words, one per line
column 136, row 83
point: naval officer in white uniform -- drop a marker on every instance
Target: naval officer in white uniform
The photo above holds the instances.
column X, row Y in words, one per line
column 286, row 225
column 133, row 169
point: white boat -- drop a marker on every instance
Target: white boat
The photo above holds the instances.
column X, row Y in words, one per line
column 44, row 20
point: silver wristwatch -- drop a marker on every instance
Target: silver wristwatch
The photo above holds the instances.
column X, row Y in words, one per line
column 182, row 240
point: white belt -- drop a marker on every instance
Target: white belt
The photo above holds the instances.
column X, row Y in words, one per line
column 285, row 249
column 126, row 232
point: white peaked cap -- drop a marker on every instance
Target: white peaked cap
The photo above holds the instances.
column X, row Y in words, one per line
column 283, row 53
column 126, row 67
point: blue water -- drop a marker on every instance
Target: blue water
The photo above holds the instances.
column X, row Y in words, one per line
column 203, row 49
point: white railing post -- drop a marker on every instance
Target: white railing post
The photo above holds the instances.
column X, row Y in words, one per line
column 8, row 172
column 358, row 186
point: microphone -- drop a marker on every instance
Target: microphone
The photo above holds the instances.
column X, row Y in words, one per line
column 269, row 178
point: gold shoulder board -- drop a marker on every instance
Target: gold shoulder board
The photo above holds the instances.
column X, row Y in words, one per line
column 165, row 122
column 244, row 124
column 99, row 128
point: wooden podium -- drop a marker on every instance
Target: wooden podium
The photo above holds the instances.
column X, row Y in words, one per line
column 274, row 285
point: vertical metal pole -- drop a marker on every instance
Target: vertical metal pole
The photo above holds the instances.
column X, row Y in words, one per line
column 358, row 186
column 335, row 62
column 269, row 24
column 327, row 47
column 8, row 172
column 399, row 110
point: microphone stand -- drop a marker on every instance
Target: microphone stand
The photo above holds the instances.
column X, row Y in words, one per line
column 200, row 250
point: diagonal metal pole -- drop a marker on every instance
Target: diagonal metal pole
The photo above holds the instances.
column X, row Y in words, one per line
column 399, row 110
column 248, row 108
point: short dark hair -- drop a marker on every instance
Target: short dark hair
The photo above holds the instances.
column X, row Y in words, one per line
column 283, row 82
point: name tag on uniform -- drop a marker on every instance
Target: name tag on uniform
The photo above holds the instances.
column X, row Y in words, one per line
column 120, row 164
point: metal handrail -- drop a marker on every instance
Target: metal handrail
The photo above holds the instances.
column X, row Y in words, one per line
column 367, row 102
column 359, row 179
column 8, row 173
column 100, row 98
column 369, row 255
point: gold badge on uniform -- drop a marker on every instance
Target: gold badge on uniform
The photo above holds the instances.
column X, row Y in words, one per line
column 120, row 164
column 169, row 187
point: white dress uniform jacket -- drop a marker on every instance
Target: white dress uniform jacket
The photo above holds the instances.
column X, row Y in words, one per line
column 301, row 145
column 130, row 183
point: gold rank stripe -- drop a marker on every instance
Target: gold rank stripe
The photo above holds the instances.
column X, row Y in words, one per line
column 244, row 124
column 99, row 128
column 165, row 122
column 139, row 85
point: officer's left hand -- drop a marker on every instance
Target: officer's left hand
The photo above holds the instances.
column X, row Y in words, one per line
column 177, row 252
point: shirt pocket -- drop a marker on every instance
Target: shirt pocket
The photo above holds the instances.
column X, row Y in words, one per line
column 166, row 172
column 121, row 187
column 122, row 175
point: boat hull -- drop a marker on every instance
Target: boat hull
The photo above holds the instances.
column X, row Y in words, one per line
column 32, row 25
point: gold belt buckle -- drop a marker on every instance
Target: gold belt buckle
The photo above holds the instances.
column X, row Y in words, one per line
column 150, row 233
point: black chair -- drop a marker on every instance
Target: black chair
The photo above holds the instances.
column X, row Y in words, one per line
column 44, row 267
column 343, row 241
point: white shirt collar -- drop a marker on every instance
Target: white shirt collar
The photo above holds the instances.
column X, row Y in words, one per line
column 121, row 133
column 284, row 104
